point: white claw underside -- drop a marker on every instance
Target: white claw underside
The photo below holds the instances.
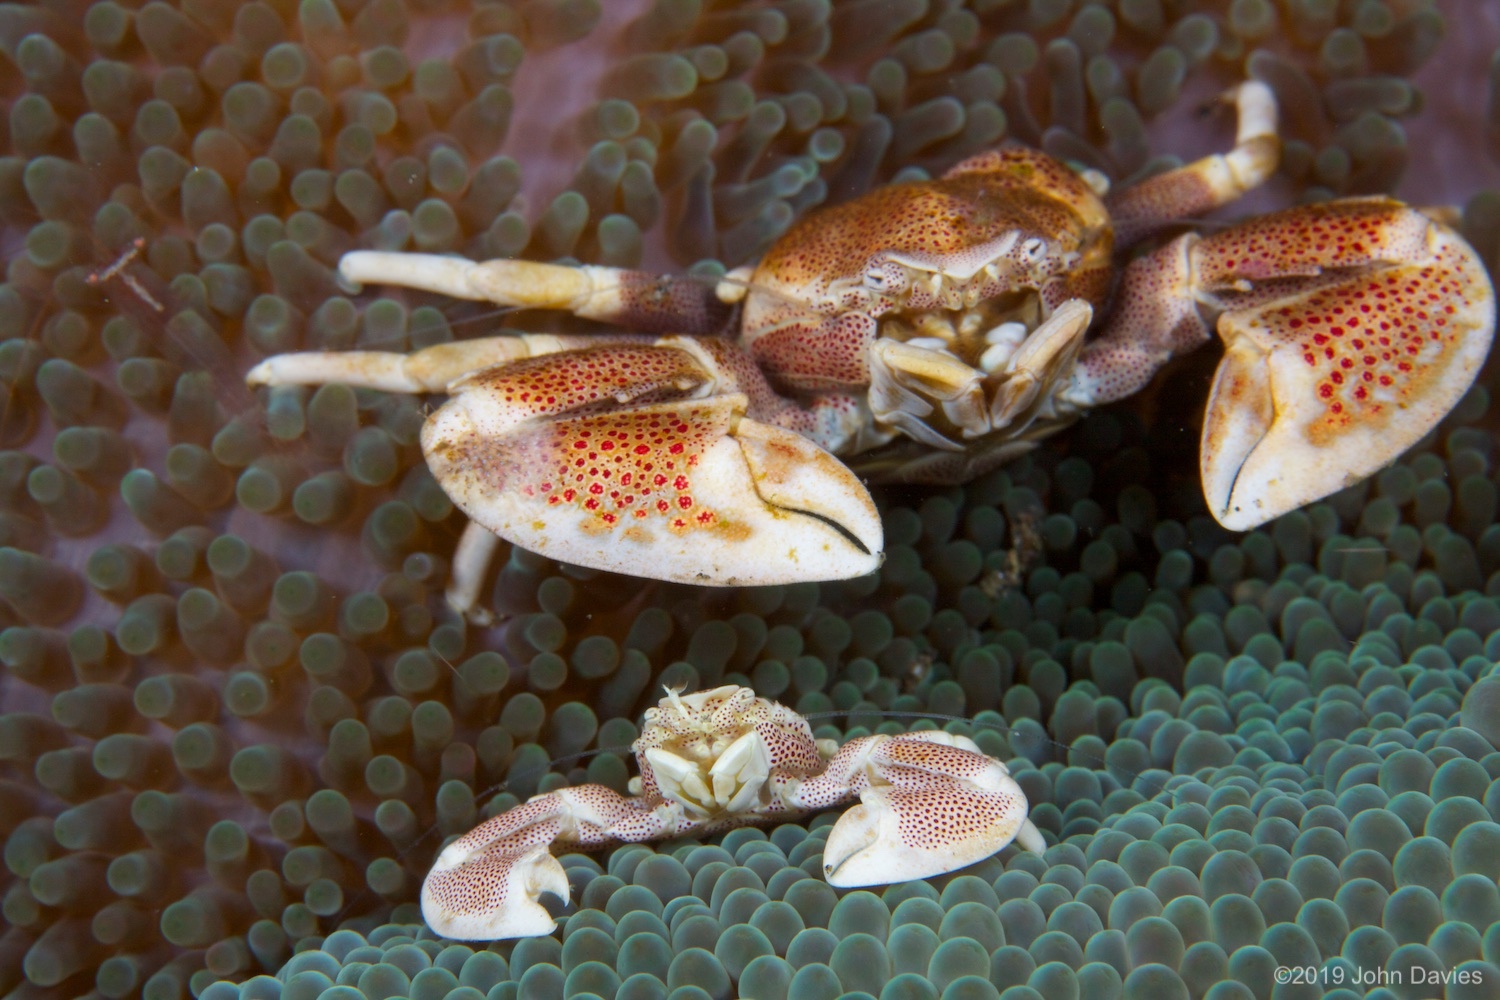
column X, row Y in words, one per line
column 944, row 806
column 503, row 907
column 783, row 510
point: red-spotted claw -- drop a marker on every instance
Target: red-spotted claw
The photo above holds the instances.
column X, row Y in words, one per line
column 645, row 459
column 1350, row 329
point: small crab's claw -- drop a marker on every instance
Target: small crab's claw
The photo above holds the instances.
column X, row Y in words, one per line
column 933, row 804
column 485, row 885
column 1330, row 381
column 494, row 896
column 642, row 460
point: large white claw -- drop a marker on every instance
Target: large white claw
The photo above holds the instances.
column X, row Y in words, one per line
column 492, row 895
column 690, row 490
column 931, row 809
column 1323, row 388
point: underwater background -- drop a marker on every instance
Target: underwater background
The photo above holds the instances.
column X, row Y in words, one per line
column 238, row 719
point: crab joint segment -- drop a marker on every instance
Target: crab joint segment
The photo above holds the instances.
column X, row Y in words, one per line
column 1214, row 180
column 932, row 803
column 428, row 370
column 632, row 459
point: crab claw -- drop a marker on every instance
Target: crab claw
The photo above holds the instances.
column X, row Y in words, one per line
column 486, row 884
column 934, row 804
column 493, row 896
column 1330, row 381
column 634, row 459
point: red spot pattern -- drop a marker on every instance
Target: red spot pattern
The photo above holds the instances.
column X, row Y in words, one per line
column 1301, row 241
column 631, row 466
column 1369, row 340
column 1374, row 321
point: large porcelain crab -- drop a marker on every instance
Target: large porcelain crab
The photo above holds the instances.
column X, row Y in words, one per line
column 932, row 330
column 930, row 803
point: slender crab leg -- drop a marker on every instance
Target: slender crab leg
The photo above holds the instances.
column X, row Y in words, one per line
column 471, row 559
column 431, row 369
column 1350, row 329
column 930, row 803
column 1145, row 208
column 637, row 300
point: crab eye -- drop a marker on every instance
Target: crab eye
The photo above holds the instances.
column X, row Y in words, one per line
column 874, row 281
column 1034, row 248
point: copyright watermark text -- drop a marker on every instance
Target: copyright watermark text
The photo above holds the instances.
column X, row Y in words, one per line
column 1339, row 974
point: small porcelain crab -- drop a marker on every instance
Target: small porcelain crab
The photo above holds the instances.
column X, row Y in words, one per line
column 931, row 331
column 930, row 803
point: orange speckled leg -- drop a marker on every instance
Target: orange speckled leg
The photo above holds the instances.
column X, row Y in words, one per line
column 1350, row 329
column 1203, row 185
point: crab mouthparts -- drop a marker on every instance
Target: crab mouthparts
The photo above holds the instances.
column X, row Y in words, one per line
column 730, row 783
column 982, row 335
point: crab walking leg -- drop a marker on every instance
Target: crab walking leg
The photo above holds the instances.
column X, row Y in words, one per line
column 471, row 559
column 431, row 369
column 930, row 803
column 485, row 885
column 638, row 300
column 1198, row 187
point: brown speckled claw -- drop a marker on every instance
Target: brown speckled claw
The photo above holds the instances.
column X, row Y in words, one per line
column 485, row 885
column 930, row 803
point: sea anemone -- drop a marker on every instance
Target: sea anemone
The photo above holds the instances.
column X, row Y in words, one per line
column 239, row 719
